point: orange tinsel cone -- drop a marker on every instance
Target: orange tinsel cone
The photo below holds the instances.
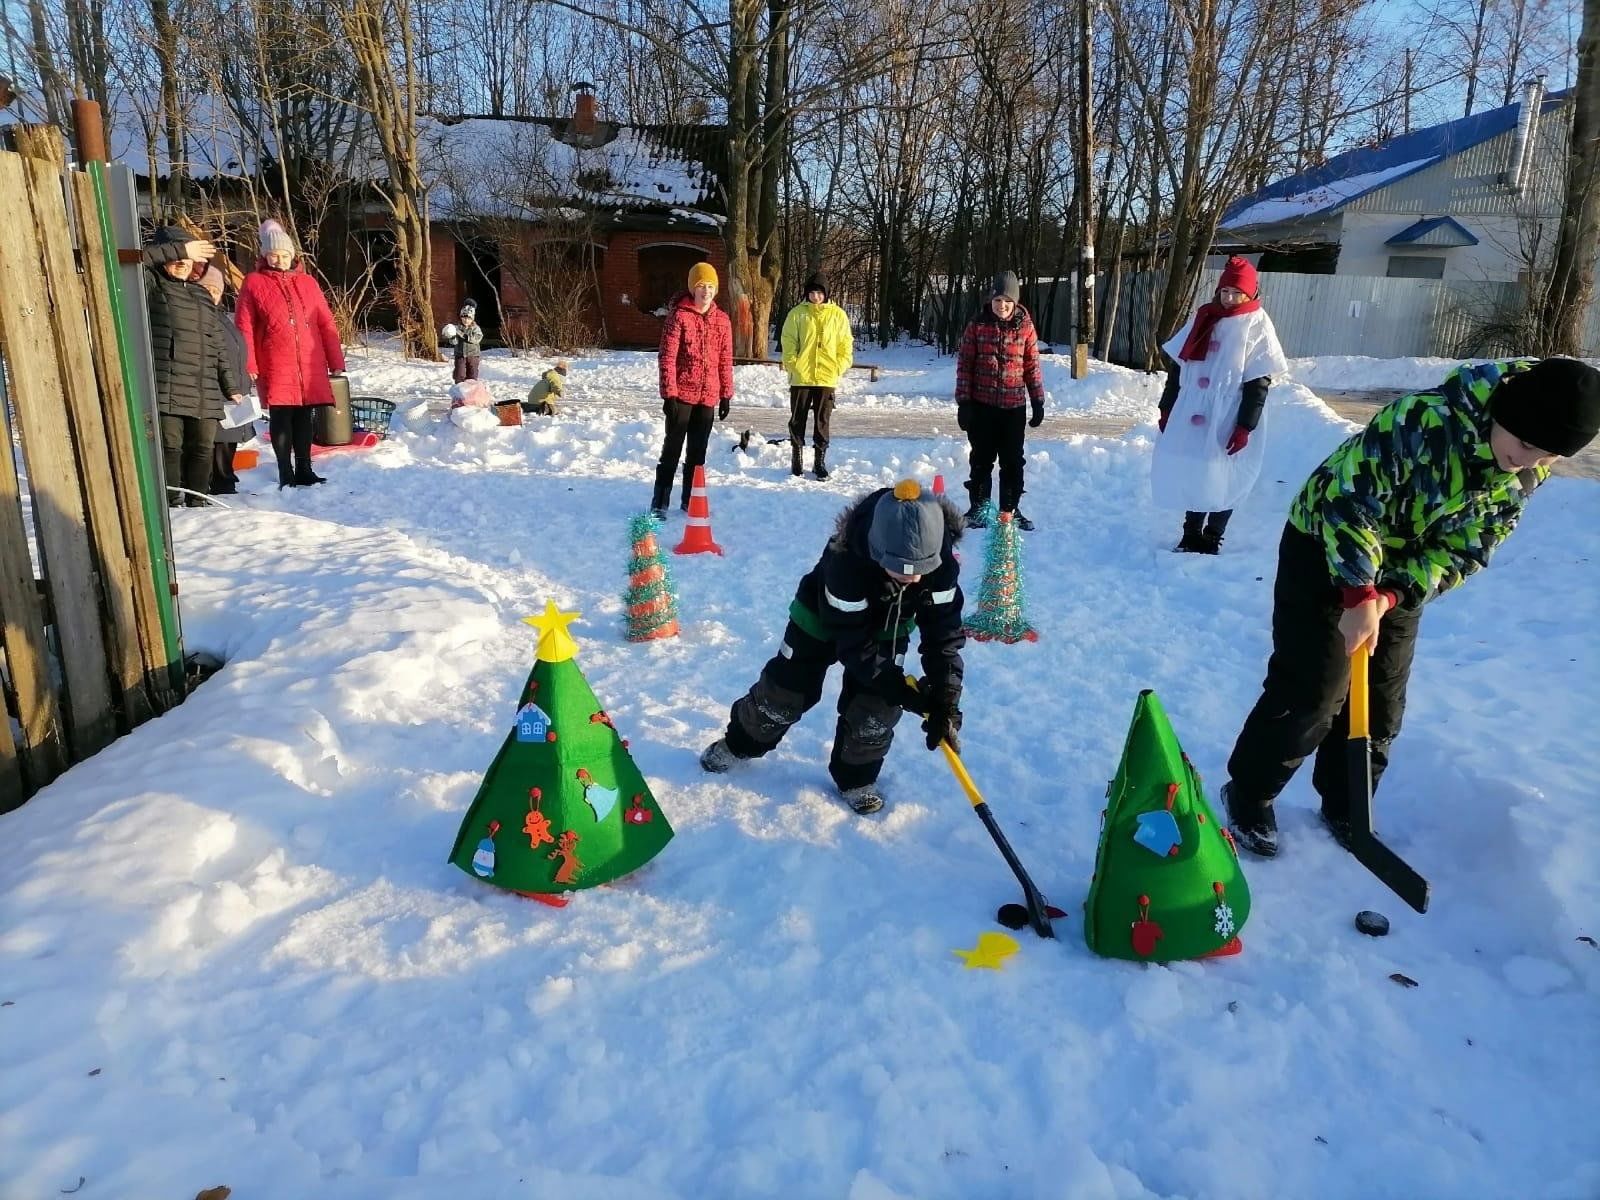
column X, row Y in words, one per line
column 697, row 537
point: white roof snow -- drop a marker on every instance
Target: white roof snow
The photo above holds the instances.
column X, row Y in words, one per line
column 1328, row 195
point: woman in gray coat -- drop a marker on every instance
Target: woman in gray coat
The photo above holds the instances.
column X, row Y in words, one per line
column 223, row 480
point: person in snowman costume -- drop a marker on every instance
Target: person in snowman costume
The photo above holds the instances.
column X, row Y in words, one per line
column 1213, row 408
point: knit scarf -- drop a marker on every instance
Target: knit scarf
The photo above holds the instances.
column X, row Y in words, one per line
column 1206, row 317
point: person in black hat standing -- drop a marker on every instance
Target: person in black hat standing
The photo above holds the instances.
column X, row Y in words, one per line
column 998, row 377
column 890, row 565
column 817, row 349
column 1397, row 516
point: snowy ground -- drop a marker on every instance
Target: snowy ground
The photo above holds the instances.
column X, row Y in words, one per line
column 231, row 950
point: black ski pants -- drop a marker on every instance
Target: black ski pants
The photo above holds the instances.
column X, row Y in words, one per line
column 791, row 684
column 1302, row 709
column 995, row 433
column 685, row 422
column 186, row 456
column 290, row 427
column 803, row 402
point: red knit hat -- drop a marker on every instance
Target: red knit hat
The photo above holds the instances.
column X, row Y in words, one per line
column 1240, row 274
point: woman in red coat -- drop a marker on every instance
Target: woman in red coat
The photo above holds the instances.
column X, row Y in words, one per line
column 291, row 347
column 696, row 369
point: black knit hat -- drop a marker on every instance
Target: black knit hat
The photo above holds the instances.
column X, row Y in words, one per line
column 1554, row 405
column 815, row 284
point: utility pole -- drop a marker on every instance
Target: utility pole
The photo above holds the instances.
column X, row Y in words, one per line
column 1085, row 181
column 1405, row 90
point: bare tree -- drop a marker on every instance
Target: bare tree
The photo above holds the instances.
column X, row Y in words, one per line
column 1578, row 233
column 382, row 39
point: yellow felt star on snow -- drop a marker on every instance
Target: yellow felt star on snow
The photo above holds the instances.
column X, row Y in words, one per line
column 555, row 643
column 991, row 951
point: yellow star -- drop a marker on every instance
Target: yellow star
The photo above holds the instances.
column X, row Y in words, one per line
column 992, row 951
column 555, row 643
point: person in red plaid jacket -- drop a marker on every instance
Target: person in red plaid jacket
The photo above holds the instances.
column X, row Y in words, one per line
column 998, row 376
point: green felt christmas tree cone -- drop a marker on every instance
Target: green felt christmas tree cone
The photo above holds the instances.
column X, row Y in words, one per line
column 998, row 615
column 562, row 807
column 1167, row 882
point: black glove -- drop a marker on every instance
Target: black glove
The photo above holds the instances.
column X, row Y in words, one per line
column 943, row 720
column 961, row 417
column 666, row 406
column 903, row 694
column 1038, row 415
column 722, row 407
column 943, row 726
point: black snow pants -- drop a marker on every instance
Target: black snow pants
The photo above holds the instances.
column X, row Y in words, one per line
column 1302, row 707
column 789, row 685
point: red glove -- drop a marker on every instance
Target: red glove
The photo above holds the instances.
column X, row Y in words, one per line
column 1238, row 439
column 1161, row 420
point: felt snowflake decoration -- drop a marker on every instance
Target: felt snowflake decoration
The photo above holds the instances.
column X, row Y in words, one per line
column 1224, row 925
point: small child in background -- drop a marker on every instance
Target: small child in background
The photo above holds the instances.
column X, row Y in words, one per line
column 467, row 338
column 551, row 387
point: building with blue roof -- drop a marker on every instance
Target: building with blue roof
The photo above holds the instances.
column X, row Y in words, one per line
column 1470, row 199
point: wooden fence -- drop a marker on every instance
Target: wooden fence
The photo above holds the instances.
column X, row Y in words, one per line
column 88, row 628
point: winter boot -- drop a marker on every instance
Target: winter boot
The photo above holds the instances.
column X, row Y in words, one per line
column 866, row 798
column 719, row 758
column 980, row 497
column 306, row 477
column 1257, row 834
column 797, row 464
column 1216, row 526
column 661, row 496
column 1194, row 538
column 819, row 464
column 1337, row 824
column 1023, row 523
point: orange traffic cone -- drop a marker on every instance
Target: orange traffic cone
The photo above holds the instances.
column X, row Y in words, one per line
column 697, row 536
column 938, row 485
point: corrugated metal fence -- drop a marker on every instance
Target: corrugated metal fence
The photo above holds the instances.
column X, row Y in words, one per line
column 1355, row 314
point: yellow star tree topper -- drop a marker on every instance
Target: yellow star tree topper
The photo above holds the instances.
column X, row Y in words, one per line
column 555, row 643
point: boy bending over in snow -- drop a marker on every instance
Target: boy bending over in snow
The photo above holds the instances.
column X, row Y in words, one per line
column 551, row 387
column 1400, row 513
column 889, row 565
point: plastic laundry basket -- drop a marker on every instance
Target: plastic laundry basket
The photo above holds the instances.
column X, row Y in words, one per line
column 371, row 414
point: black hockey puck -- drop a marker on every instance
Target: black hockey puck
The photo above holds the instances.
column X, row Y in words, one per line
column 1015, row 916
column 1012, row 916
column 1373, row 924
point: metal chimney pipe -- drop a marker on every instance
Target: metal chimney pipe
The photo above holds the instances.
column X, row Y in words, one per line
column 1521, row 158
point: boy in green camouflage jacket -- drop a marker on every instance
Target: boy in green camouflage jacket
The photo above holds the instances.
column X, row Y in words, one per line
column 1399, row 514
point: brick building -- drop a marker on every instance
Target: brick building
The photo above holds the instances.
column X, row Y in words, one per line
column 555, row 219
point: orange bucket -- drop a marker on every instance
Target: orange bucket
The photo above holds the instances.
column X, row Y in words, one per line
column 243, row 460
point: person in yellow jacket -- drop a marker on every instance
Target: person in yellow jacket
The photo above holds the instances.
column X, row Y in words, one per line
column 816, row 352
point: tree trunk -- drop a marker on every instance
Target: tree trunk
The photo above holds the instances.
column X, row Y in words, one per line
column 1578, row 235
column 44, row 63
column 171, row 114
column 391, row 99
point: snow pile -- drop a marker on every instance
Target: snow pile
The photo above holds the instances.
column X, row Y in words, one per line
column 232, row 950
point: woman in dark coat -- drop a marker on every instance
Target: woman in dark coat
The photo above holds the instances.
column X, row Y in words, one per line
column 223, row 480
column 192, row 369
